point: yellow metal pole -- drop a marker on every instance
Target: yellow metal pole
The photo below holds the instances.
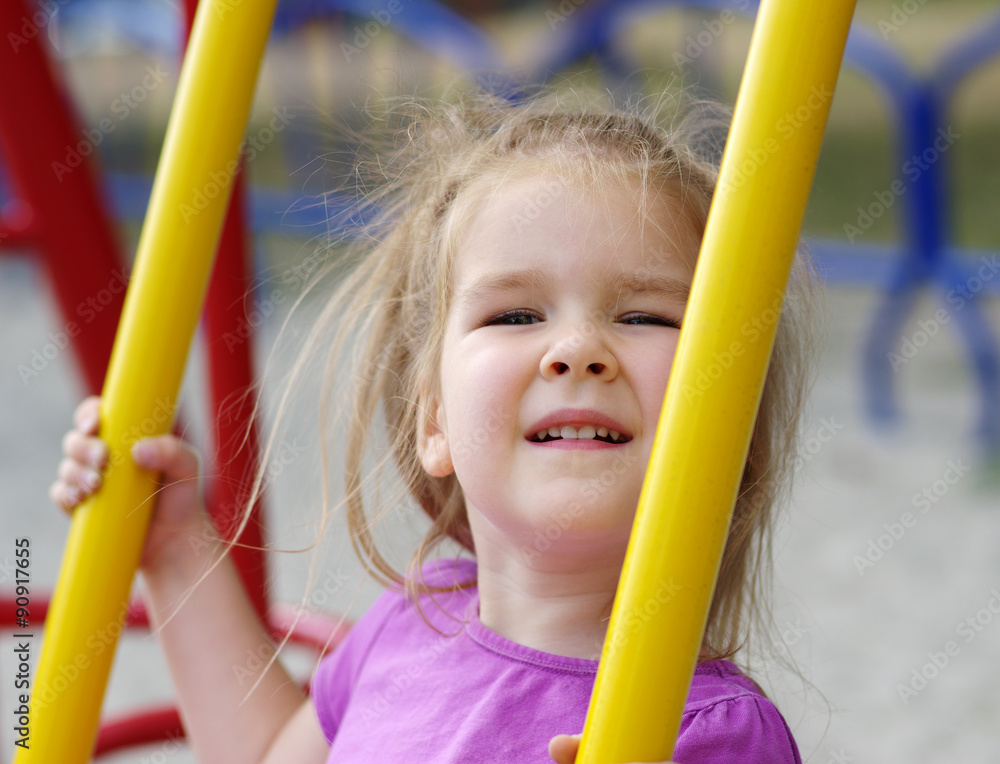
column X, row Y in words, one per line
column 715, row 384
column 162, row 306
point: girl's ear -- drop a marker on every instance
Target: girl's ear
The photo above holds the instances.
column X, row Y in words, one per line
column 432, row 441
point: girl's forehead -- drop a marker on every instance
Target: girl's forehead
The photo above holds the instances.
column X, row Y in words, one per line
column 546, row 230
column 551, row 220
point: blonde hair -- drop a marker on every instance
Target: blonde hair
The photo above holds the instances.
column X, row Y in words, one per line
column 392, row 305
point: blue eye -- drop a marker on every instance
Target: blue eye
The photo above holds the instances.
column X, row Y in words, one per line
column 650, row 320
column 512, row 318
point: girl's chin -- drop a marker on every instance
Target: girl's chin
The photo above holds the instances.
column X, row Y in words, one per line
column 575, row 525
column 559, row 515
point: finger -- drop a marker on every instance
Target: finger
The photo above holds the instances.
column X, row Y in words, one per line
column 56, row 494
column 563, row 748
column 87, row 415
column 65, row 496
column 79, row 477
column 169, row 455
column 85, row 449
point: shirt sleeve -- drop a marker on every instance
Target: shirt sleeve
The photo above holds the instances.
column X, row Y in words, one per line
column 338, row 672
column 746, row 729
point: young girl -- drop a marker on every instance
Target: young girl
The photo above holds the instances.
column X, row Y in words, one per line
column 515, row 313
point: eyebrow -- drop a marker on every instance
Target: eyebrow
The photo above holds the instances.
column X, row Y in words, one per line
column 652, row 283
column 505, row 282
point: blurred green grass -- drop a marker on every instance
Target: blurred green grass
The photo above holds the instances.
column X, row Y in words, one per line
column 859, row 156
column 855, row 164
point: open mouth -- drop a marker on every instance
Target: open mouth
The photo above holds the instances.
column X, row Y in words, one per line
column 586, row 432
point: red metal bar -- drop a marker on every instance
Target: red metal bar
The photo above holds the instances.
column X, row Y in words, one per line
column 149, row 726
column 60, row 210
column 321, row 631
column 229, row 342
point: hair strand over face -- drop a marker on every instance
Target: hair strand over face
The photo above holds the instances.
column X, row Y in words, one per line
column 392, row 306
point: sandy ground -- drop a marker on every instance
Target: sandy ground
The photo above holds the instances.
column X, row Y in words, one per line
column 876, row 586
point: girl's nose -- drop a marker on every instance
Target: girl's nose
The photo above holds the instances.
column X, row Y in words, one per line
column 581, row 353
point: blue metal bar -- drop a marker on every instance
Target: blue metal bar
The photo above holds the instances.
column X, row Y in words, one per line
column 430, row 24
column 965, row 56
column 918, row 105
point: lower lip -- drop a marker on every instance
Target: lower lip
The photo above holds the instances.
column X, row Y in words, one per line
column 578, row 445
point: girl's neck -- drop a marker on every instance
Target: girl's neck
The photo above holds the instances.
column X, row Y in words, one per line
column 556, row 608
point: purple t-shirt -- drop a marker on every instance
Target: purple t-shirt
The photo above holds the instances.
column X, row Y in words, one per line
column 396, row 691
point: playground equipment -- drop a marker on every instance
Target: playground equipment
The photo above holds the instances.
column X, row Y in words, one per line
column 917, row 105
column 162, row 306
column 594, row 735
column 687, row 498
column 926, row 258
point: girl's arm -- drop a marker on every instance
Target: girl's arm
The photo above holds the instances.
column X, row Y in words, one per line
column 301, row 740
column 216, row 647
column 217, row 650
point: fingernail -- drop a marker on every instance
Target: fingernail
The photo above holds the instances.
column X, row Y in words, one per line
column 141, row 452
column 91, row 480
column 96, row 453
column 89, row 423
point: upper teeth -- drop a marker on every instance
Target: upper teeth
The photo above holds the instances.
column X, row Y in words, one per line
column 586, row 432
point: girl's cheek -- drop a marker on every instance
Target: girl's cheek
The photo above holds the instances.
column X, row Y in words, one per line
column 481, row 417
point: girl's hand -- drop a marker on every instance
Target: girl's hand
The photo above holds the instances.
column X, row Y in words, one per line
column 179, row 526
column 562, row 748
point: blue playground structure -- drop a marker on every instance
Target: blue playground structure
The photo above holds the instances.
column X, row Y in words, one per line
column 918, row 104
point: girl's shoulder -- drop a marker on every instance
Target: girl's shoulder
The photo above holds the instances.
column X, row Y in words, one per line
column 453, row 571
column 393, row 626
column 395, row 603
column 727, row 715
column 720, row 679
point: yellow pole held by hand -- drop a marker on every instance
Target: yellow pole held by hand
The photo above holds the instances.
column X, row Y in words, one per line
column 173, row 263
column 702, row 440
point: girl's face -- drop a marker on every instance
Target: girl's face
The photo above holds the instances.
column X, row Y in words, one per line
column 564, row 319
